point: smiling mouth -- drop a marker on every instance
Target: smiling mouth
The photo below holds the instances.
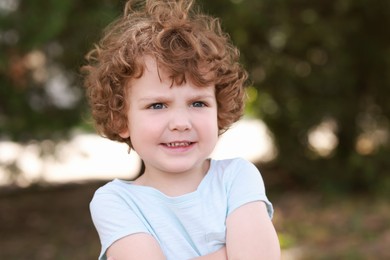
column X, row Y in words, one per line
column 179, row 144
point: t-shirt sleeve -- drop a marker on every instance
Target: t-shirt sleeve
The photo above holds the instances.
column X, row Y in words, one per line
column 246, row 185
column 113, row 218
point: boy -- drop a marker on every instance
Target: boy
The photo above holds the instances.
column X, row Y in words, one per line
column 166, row 80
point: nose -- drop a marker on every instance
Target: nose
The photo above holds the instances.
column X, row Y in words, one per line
column 180, row 120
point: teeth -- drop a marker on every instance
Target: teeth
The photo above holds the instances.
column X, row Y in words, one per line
column 178, row 144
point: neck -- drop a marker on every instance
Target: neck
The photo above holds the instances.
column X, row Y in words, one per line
column 174, row 184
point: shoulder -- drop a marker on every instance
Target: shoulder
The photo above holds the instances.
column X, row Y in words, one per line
column 115, row 214
column 236, row 172
column 112, row 188
column 234, row 167
column 232, row 162
column 242, row 182
column 121, row 196
column 114, row 194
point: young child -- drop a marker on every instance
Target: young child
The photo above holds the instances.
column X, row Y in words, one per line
column 166, row 80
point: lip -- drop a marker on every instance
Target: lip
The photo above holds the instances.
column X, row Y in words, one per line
column 178, row 146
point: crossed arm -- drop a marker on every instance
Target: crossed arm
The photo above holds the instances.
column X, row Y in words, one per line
column 250, row 235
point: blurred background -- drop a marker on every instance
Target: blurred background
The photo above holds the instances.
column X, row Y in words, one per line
column 316, row 124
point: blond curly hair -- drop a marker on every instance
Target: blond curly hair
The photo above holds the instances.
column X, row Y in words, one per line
column 182, row 40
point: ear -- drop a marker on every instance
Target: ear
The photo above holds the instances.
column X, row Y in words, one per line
column 125, row 133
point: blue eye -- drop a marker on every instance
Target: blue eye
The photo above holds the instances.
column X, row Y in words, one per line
column 198, row 104
column 157, row 106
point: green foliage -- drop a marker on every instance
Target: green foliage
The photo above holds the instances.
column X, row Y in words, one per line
column 314, row 62
column 42, row 45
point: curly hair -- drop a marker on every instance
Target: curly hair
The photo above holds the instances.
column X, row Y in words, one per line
column 182, row 40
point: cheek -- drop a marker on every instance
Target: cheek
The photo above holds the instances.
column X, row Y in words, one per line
column 140, row 127
column 210, row 123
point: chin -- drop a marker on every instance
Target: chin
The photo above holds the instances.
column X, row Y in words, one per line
column 180, row 166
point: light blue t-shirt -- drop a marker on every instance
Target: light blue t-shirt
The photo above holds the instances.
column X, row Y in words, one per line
column 186, row 226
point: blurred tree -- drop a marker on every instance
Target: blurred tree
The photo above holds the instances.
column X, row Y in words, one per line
column 42, row 44
column 320, row 72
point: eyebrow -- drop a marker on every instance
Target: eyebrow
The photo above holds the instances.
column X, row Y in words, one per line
column 153, row 98
column 203, row 96
column 166, row 99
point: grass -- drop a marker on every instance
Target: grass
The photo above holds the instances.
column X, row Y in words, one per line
column 54, row 223
column 314, row 226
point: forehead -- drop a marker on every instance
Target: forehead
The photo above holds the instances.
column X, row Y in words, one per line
column 158, row 78
column 152, row 76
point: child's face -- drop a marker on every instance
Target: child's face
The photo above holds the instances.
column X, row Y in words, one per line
column 172, row 128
